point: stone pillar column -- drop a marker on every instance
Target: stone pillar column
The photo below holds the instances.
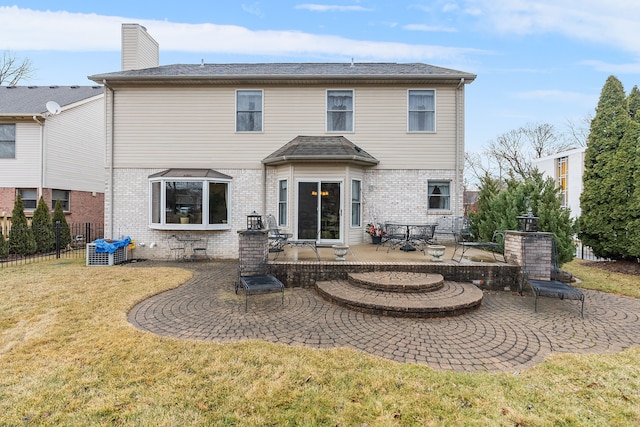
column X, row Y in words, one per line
column 538, row 255
column 253, row 252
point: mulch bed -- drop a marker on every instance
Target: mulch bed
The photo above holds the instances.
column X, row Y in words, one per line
column 631, row 267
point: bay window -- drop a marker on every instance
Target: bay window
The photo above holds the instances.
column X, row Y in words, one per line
column 190, row 199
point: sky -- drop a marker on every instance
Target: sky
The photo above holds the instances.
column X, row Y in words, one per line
column 536, row 61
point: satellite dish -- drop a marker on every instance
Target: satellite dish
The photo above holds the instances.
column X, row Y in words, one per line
column 53, row 107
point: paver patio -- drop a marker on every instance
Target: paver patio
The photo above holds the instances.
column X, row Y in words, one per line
column 504, row 334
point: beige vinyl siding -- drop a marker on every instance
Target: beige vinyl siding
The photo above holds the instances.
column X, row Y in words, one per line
column 74, row 157
column 24, row 170
column 139, row 49
column 195, row 126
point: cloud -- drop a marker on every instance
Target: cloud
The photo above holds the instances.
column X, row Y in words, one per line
column 23, row 29
column 605, row 67
column 612, row 23
column 558, row 96
column 429, row 28
column 253, row 9
column 331, row 8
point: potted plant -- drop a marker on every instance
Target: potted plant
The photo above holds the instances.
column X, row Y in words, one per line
column 184, row 218
column 375, row 232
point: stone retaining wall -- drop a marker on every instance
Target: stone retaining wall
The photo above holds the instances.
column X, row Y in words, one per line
column 497, row 276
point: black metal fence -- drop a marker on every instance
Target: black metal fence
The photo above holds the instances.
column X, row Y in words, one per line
column 80, row 234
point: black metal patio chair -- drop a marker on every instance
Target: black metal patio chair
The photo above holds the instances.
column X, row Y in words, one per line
column 278, row 240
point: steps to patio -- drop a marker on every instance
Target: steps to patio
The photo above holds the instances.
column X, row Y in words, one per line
column 401, row 294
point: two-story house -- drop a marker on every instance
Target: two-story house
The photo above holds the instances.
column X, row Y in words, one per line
column 324, row 147
column 52, row 145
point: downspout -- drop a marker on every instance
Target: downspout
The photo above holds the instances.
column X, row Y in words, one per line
column 109, row 213
column 459, row 152
column 41, row 180
column 264, row 190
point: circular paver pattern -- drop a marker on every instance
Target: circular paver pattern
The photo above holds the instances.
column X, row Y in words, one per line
column 503, row 334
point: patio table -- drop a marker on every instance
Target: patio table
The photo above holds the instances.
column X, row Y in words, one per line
column 424, row 235
column 188, row 242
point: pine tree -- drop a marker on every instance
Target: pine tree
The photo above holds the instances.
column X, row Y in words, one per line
column 65, row 232
column 605, row 195
column 21, row 240
column 42, row 228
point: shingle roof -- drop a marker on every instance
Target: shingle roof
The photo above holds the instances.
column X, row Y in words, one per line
column 28, row 100
column 293, row 71
column 320, row 149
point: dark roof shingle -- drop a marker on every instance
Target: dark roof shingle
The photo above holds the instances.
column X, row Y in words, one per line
column 320, row 149
column 28, row 100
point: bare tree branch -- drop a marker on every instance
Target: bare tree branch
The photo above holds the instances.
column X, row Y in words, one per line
column 12, row 71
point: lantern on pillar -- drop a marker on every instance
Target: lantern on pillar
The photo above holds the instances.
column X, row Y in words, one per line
column 527, row 222
column 254, row 221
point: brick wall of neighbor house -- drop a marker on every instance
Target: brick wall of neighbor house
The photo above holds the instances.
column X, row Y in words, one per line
column 131, row 187
column 7, row 199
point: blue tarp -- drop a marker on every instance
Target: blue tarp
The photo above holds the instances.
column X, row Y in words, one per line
column 111, row 246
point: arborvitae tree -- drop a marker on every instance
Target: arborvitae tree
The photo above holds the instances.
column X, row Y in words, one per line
column 21, row 240
column 65, row 232
column 4, row 246
column 535, row 193
column 42, row 229
column 607, row 176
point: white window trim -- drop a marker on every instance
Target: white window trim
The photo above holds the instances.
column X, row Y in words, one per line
column 235, row 117
column 353, row 112
column 435, row 111
column 162, row 225
column 53, row 199
column 285, row 203
column 352, row 225
column 442, row 181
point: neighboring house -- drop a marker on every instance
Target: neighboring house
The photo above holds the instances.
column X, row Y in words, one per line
column 324, row 147
column 52, row 145
column 566, row 168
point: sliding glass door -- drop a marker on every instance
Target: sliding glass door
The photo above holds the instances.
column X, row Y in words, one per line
column 319, row 211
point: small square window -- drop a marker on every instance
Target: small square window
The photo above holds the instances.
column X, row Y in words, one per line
column 63, row 196
column 29, row 198
column 439, row 197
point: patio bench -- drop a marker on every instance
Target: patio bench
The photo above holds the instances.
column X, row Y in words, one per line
column 463, row 242
column 278, row 240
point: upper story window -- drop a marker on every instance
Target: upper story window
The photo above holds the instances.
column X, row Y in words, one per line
column 439, row 197
column 340, row 111
column 422, row 111
column 249, row 111
column 29, row 198
column 190, row 199
column 7, row 141
column 63, row 196
column 562, row 175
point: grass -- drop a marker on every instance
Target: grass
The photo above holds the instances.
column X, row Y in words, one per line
column 604, row 280
column 69, row 357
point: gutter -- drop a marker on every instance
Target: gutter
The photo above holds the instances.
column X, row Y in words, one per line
column 41, row 180
column 108, row 213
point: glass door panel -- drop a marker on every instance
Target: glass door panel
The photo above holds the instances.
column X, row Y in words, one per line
column 330, row 211
column 307, row 210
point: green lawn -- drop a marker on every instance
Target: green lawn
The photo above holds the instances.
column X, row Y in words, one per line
column 69, row 357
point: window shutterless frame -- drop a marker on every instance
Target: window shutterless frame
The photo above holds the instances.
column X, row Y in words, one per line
column 249, row 110
column 340, row 110
column 439, row 197
column 356, row 203
column 421, row 111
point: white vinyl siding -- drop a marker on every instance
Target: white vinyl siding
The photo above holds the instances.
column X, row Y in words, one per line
column 147, row 135
column 139, row 49
column 24, row 170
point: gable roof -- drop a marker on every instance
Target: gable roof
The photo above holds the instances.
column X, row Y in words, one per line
column 288, row 73
column 320, row 149
column 29, row 100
